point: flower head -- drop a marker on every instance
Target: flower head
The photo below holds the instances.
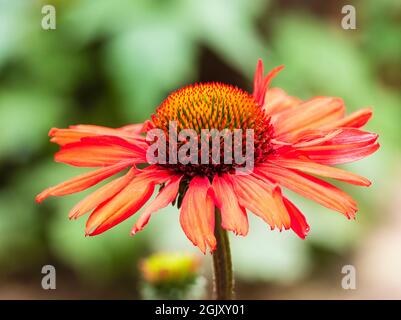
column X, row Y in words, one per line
column 164, row 268
column 171, row 276
column 294, row 145
column 215, row 106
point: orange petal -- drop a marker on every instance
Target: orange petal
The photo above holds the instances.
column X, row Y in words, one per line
column 349, row 145
column 163, row 199
column 356, row 119
column 261, row 83
column 75, row 133
column 197, row 214
column 298, row 221
column 233, row 216
column 310, row 114
column 101, row 195
column 312, row 188
column 322, row 170
column 308, row 138
column 277, row 101
column 258, row 78
column 332, row 157
column 83, row 181
column 135, row 129
column 157, row 174
column 262, row 199
column 100, row 151
column 120, row 207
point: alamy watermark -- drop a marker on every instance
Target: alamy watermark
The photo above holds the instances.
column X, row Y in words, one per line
column 348, row 282
column 49, row 19
column 49, row 278
column 349, row 20
column 187, row 147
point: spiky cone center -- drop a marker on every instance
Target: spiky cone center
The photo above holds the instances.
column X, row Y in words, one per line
column 214, row 106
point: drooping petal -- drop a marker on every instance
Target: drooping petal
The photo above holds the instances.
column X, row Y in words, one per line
column 197, row 214
column 163, row 199
column 349, row 145
column 100, row 151
column 298, row 221
column 310, row 114
column 340, row 156
column 233, row 216
column 356, row 119
column 136, row 128
column 312, row 188
column 261, row 83
column 74, row 133
column 262, row 199
column 322, row 170
column 101, row 195
column 157, row 174
column 83, row 181
column 127, row 202
column 123, row 205
column 308, row 138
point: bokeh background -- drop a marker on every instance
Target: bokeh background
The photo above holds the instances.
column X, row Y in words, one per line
column 112, row 62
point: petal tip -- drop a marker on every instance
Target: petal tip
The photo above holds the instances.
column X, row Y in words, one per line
column 40, row 197
column 135, row 230
column 52, row 132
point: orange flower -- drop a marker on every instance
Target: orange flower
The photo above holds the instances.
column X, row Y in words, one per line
column 294, row 141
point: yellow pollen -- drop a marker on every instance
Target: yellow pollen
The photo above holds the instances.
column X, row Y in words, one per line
column 210, row 106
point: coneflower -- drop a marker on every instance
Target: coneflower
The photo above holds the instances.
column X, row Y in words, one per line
column 293, row 142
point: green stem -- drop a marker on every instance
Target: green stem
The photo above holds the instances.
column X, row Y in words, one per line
column 223, row 274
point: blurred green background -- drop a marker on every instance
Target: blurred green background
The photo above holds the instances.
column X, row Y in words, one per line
column 112, row 62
